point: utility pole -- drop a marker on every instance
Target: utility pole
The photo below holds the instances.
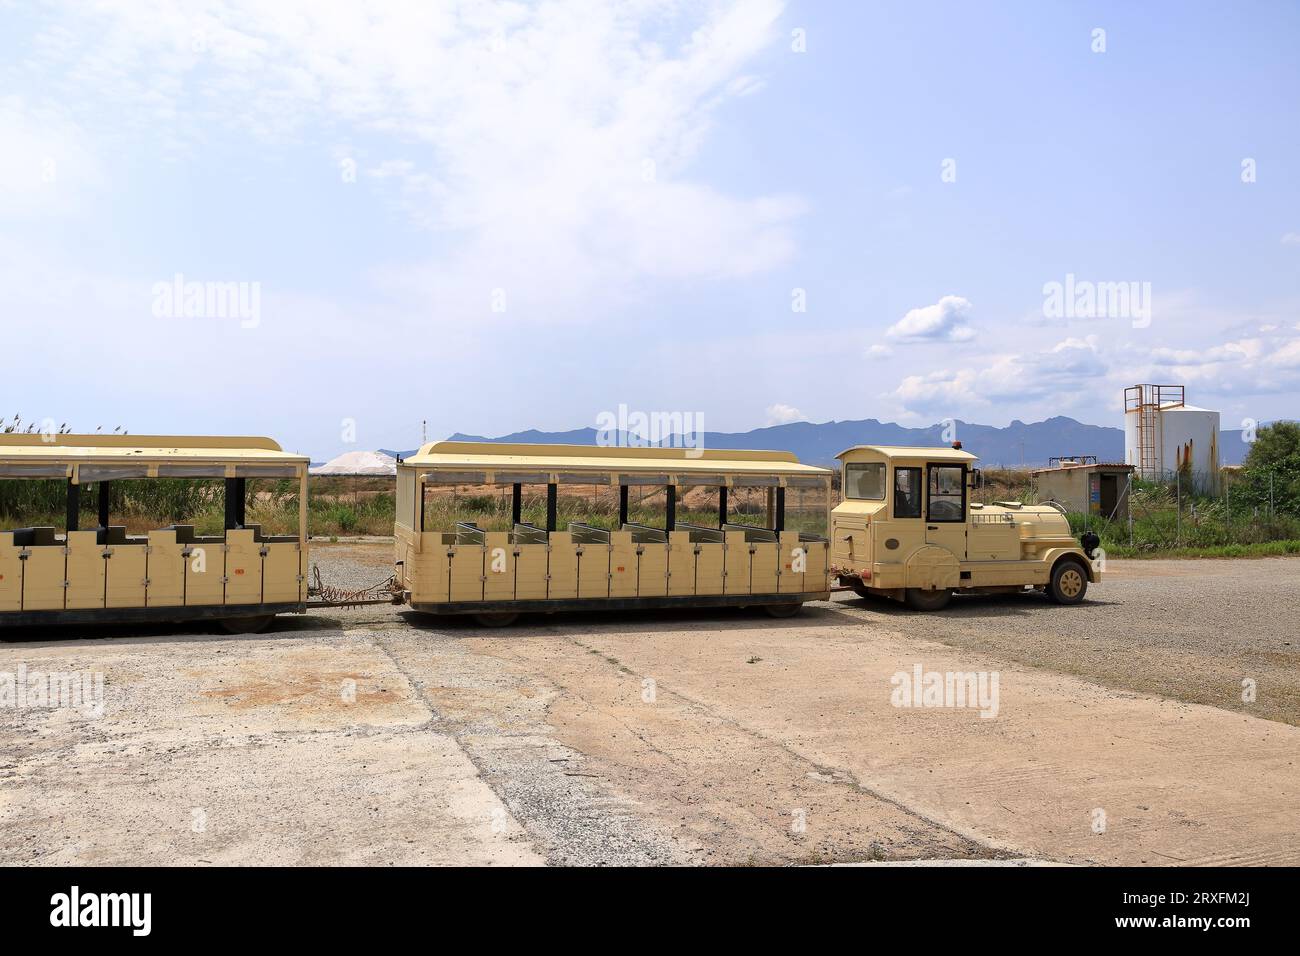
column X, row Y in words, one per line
column 424, row 431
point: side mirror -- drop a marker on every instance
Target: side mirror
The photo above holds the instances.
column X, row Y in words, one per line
column 976, row 477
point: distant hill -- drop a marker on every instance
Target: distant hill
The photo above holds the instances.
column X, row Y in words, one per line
column 818, row 444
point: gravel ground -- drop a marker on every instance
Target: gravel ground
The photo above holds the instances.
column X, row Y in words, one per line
column 1189, row 630
column 537, row 742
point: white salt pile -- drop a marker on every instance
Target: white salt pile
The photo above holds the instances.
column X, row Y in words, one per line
column 358, row 463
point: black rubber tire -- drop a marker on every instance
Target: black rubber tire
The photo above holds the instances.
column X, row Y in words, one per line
column 921, row 600
column 783, row 610
column 496, row 618
column 856, row 584
column 247, row 625
column 1069, row 582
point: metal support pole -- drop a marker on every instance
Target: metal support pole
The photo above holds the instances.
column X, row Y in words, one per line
column 552, row 505
column 1087, row 505
column 103, row 498
column 826, row 528
column 1128, row 506
column 302, row 528
column 516, row 504
column 670, row 517
column 722, row 506
column 779, row 523
column 74, row 506
column 622, row 505
column 1178, row 498
column 236, row 493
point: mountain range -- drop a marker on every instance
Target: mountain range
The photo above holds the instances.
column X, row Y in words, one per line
column 1019, row 443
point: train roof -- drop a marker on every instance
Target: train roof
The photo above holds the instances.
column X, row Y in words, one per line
column 32, row 454
column 451, row 455
column 920, row 452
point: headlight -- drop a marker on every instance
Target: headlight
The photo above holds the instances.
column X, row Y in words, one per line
column 1090, row 541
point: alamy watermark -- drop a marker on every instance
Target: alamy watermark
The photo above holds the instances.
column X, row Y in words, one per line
column 127, row 910
column 1084, row 299
column 628, row 428
column 81, row 691
column 946, row 689
column 179, row 299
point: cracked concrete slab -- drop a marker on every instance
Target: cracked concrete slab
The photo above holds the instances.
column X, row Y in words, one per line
column 243, row 751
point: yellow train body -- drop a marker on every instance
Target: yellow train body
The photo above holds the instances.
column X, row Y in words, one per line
column 906, row 528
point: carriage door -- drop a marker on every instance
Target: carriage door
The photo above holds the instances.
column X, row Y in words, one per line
column 945, row 508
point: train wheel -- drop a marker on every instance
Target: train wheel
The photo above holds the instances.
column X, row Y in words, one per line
column 496, row 618
column 1069, row 583
column 920, row 600
column 783, row 610
column 246, row 625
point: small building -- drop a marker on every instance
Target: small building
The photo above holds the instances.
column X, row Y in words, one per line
column 1084, row 485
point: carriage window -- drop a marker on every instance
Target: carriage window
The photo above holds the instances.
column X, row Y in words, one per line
column 947, row 493
column 806, row 509
column 907, row 492
column 405, row 498
column 865, row 481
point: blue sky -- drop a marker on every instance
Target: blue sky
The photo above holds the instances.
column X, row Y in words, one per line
column 500, row 216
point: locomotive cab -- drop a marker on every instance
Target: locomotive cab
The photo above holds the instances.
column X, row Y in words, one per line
column 907, row 529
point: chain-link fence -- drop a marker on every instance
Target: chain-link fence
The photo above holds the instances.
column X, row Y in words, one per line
column 1184, row 509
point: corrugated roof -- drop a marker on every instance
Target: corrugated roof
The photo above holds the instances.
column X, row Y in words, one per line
column 452, row 455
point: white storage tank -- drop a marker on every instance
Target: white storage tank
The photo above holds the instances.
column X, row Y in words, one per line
column 1164, row 435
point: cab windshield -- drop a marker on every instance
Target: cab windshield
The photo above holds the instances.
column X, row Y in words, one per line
column 865, row 481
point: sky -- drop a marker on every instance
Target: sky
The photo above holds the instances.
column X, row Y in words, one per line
column 331, row 222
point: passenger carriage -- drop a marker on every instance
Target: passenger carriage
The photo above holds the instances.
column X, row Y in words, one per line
column 652, row 544
column 99, row 573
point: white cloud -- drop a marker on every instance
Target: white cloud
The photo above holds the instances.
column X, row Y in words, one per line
column 548, row 146
column 1291, row 239
column 878, row 351
column 1243, row 350
column 1256, row 365
column 745, row 85
column 943, row 321
column 783, row 414
column 1069, row 372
